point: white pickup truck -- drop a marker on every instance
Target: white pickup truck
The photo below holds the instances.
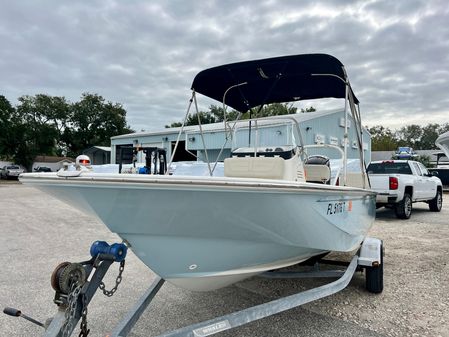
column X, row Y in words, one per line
column 399, row 183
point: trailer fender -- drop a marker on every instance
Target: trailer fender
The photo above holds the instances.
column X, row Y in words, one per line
column 370, row 252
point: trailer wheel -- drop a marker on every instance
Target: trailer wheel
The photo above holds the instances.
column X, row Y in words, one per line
column 436, row 203
column 404, row 207
column 374, row 276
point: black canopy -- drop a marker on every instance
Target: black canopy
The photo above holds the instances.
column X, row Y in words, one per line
column 273, row 80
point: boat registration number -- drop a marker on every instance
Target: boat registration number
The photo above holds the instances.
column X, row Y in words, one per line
column 339, row 207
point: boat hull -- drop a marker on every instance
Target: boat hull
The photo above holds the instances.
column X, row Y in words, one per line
column 443, row 143
column 205, row 234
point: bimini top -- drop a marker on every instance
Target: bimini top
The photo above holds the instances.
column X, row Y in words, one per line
column 245, row 85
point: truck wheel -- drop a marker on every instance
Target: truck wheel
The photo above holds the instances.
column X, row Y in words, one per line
column 436, row 203
column 374, row 276
column 404, row 207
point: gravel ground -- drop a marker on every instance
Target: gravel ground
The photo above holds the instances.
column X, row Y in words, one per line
column 38, row 232
column 415, row 300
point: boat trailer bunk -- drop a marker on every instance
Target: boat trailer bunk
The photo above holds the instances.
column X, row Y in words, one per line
column 75, row 285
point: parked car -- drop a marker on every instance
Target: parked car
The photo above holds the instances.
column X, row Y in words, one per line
column 399, row 183
column 11, row 171
column 405, row 152
column 42, row 169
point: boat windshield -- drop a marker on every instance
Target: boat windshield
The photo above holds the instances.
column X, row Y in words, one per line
column 260, row 134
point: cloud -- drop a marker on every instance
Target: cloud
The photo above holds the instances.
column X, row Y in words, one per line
column 146, row 54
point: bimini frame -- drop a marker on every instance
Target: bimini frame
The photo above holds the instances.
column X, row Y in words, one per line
column 229, row 129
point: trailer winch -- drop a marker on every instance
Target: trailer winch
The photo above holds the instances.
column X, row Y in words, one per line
column 75, row 285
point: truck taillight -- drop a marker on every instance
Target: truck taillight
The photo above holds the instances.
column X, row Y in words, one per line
column 394, row 183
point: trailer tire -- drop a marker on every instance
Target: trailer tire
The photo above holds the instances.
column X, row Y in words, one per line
column 436, row 203
column 374, row 276
column 404, row 207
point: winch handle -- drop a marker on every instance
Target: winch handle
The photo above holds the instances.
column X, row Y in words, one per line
column 17, row 313
column 12, row 312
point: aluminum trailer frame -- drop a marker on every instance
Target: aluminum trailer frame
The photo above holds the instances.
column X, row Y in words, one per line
column 238, row 318
column 369, row 257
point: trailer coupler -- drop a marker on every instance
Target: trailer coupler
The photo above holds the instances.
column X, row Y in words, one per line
column 75, row 285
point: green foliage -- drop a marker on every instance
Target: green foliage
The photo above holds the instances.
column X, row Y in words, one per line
column 410, row 135
column 415, row 136
column 93, row 121
column 40, row 119
column 49, row 125
column 428, row 136
column 277, row 109
column 216, row 114
column 424, row 159
column 310, row 109
column 382, row 139
column 7, row 113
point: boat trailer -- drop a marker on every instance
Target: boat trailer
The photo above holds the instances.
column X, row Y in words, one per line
column 75, row 285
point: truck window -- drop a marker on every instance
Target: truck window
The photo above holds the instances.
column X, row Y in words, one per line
column 388, row 167
column 417, row 169
column 423, row 169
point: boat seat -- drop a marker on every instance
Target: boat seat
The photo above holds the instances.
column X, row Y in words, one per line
column 254, row 167
column 354, row 179
column 317, row 173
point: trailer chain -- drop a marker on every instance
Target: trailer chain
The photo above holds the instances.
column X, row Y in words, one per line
column 72, row 300
column 83, row 326
column 118, row 279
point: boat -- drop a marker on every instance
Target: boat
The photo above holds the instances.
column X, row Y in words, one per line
column 443, row 143
column 442, row 170
column 271, row 209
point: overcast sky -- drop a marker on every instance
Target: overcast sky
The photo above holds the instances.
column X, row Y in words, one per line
column 144, row 54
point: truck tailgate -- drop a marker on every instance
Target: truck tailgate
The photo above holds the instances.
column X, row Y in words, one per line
column 380, row 182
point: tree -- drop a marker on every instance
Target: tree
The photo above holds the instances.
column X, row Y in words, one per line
column 410, row 135
column 277, row 109
column 383, row 139
column 309, row 109
column 424, row 159
column 429, row 134
column 93, row 121
column 34, row 128
column 46, row 118
column 415, row 136
column 49, row 125
column 7, row 112
column 216, row 114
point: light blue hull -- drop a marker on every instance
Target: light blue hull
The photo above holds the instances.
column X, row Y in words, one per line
column 204, row 235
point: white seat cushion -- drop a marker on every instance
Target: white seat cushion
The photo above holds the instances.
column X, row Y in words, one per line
column 254, row 167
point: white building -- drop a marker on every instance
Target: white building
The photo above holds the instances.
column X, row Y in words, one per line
column 324, row 127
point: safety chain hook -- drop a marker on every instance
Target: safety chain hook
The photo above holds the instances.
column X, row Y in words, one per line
column 83, row 326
